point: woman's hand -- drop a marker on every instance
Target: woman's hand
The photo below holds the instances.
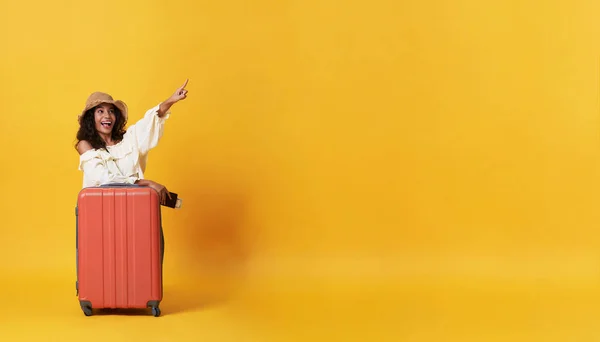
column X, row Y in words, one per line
column 180, row 94
column 163, row 193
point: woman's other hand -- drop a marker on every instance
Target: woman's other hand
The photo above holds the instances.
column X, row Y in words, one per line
column 163, row 193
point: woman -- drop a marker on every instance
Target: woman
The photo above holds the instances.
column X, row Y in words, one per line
column 111, row 154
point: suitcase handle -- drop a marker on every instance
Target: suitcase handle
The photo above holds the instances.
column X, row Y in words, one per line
column 123, row 185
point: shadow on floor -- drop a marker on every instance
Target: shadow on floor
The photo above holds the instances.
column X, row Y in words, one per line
column 122, row 312
column 216, row 243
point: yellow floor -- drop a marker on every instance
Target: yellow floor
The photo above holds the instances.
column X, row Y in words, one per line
column 426, row 309
column 45, row 309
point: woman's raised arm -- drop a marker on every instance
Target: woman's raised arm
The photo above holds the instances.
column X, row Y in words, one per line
column 148, row 130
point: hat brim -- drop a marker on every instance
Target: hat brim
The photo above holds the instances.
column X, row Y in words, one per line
column 117, row 103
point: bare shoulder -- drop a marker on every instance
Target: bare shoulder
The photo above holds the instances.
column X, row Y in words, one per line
column 84, row 146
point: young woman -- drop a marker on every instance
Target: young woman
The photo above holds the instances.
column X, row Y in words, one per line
column 111, row 154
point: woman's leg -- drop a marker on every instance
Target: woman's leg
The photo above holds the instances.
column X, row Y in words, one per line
column 162, row 245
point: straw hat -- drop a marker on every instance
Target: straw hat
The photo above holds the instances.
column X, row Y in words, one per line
column 98, row 98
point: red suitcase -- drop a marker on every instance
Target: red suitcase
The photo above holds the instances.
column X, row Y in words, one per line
column 119, row 248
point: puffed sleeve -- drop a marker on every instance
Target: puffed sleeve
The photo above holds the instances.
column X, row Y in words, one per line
column 98, row 169
column 94, row 168
column 148, row 130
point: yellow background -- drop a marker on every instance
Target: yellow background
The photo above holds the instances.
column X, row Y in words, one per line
column 361, row 170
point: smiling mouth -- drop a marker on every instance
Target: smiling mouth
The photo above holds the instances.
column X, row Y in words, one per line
column 106, row 124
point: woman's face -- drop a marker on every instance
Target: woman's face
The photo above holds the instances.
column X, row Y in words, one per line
column 104, row 117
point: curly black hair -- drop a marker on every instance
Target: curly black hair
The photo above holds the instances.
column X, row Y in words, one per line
column 87, row 129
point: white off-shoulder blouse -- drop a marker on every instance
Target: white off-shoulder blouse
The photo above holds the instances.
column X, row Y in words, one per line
column 124, row 162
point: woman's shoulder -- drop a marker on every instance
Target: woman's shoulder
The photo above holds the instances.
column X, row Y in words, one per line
column 83, row 146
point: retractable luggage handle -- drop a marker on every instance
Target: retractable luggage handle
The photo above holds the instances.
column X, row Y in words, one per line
column 123, row 185
column 126, row 185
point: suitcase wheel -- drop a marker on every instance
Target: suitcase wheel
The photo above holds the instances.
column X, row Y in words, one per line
column 87, row 310
column 155, row 311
